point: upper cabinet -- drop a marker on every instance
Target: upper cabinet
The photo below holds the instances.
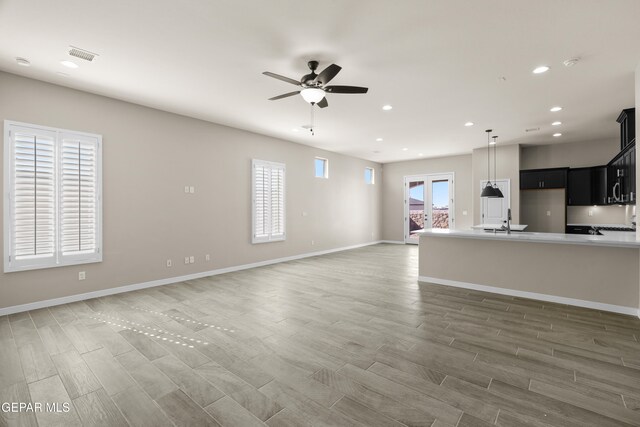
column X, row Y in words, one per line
column 543, row 179
column 627, row 120
column 587, row 186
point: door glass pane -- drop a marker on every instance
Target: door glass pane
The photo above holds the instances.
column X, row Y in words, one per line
column 440, row 204
column 416, row 207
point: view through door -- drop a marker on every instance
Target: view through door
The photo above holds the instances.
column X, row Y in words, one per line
column 428, row 204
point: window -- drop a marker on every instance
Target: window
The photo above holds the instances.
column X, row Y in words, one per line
column 369, row 175
column 52, row 182
column 322, row 167
column 268, row 180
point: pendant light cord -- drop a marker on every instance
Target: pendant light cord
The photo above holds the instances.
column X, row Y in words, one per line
column 495, row 163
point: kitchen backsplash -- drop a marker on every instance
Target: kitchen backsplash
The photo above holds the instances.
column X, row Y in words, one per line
column 601, row 214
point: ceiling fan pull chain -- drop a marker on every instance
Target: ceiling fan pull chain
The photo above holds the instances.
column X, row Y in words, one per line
column 311, row 129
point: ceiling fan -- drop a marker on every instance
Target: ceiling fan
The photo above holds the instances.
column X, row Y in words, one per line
column 313, row 87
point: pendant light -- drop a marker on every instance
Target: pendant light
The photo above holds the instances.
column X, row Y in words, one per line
column 495, row 173
column 488, row 190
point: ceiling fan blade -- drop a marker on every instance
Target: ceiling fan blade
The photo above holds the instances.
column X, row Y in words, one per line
column 327, row 74
column 286, row 95
column 283, row 78
column 346, row 89
column 323, row 103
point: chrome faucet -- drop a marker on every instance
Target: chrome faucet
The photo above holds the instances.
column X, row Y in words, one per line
column 508, row 221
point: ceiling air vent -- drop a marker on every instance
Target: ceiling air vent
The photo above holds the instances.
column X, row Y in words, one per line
column 532, row 130
column 82, row 54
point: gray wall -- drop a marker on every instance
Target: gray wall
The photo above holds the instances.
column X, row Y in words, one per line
column 393, row 191
column 148, row 158
column 544, row 211
column 573, row 155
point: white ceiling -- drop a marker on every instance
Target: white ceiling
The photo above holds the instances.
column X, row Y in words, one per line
column 437, row 62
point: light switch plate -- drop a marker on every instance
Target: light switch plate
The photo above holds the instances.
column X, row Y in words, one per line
column 207, row 257
column 169, row 263
column 192, row 259
column 186, row 188
column 82, row 275
column 192, row 189
column 548, row 213
column 186, row 260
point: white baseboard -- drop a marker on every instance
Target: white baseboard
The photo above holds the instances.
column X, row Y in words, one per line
column 533, row 295
column 160, row 282
column 393, row 242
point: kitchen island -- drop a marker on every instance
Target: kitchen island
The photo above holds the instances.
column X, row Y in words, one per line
column 601, row 272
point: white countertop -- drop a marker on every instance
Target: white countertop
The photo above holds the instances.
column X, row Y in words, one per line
column 600, row 225
column 617, row 239
column 514, row 227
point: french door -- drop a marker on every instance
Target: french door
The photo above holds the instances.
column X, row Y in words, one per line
column 428, row 203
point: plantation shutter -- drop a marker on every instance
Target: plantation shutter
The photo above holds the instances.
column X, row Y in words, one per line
column 268, row 201
column 52, row 185
column 33, row 196
column 277, row 203
column 79, row 195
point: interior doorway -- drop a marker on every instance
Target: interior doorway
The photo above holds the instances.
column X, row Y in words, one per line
column 428, row 203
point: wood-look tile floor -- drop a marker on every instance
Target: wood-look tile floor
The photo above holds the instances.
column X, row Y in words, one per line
column 344, row 339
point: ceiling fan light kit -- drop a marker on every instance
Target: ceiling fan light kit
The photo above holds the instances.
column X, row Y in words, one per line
column 312, row 95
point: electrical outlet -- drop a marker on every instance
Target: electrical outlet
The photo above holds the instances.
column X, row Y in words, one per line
column 169, row 263
column 207, row 257
column 192, row 189
column 82, row 275
column 186, row 188
column 186, row 260
column 548, row 213
column 192, row 259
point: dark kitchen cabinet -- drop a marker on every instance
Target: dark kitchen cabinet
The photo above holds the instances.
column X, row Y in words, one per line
column 632, row 175
column 627, row 120
column 580, row 187
column 541, row 179
column 599, row 182
column 578, row 229
column 621, row 177
column 587, row 186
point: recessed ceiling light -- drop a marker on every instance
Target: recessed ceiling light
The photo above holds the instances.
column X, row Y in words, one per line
column 420, row 154
column 294, row 130
column 556, row 123
column 379, row 139
column 61, row 74
column 69, row 64
column 469, row 124
column 23, row 62
column 557, row 134
column 554, row 109
column 387, row 107
column 541, row 69
column 492, row 143
column 405, row 149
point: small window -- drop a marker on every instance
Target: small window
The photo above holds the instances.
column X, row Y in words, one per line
column 322, row 167
column 369, row 175
column 268, row 201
